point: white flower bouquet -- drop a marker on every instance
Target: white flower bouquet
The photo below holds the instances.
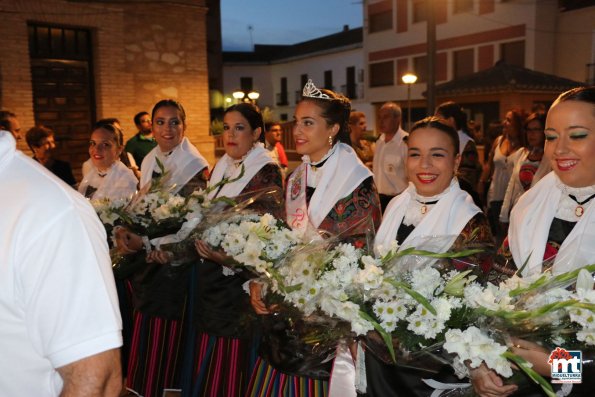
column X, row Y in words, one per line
column 543, row 308
column 252, row 241
column 109, row 210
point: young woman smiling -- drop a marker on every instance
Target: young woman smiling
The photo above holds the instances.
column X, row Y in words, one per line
column 159, row 292
column 107, row 176
column 552, row 226
column 331, row 191
column 432, row 213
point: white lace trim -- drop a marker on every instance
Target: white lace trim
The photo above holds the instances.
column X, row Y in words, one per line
column 233, row 164
column 414, row 215
column 567, row 206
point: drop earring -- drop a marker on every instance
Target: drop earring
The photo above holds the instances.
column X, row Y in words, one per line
column 330, row 140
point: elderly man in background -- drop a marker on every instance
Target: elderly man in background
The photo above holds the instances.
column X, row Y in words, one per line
column 390, row 155
column 61, row 327
column 10, row 123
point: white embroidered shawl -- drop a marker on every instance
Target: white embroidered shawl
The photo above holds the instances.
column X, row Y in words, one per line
column 118, row 183
column 530, row 222
column 446, row 220
column 183, row 163
column 257, row 158
column 342, row 173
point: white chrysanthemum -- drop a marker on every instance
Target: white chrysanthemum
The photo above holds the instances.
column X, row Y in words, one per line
column 162, row 212
column 587, row 336
column 417, row 325
column 426, row 281
column 385, row 292
column 350, row 311
column 584, row 317
column 490, row 297
column 444, row 307
column 213, row 236
column 393, row 310
column 389, row 326
column 553, row 295
column 302, row 300
column 231, row 243
column 422, row 322
column 371, row 276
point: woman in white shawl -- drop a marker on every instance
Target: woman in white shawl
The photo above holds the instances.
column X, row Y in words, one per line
column 159, row 292
column 552, row 225
column 332, row 191
column 432, row 213
column 221, row 348
column 106, row 177
column 187, row 169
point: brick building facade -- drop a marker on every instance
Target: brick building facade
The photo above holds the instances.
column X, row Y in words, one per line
column 67, row 64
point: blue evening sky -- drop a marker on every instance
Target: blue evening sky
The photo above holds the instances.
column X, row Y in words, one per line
column 284, row 21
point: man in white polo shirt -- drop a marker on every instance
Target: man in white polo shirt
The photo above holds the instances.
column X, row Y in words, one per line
column 60, row 327
column 391, row 152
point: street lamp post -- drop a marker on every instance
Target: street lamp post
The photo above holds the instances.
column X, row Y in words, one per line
column 242, row 96
column 409, row 79
column 253, row 96
column 238, row 95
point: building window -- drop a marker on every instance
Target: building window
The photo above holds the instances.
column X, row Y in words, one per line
column 513, row 53
column 282, row 99
column 328, row 80
column 380, row 21
column 382, row 74
column 463, row 63
column 419, row 11
column 350, row 86
column 63, row 89
column 420, row 68
column 246, row 84
column 461, row 6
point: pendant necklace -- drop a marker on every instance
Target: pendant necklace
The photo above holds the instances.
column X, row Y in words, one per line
column 580, row 210
column 424, row 205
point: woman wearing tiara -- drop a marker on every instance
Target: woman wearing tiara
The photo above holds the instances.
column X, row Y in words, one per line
column 552, row 226
column 159, row 292
column 432, row 213
column 107, row 177
column 331, row 191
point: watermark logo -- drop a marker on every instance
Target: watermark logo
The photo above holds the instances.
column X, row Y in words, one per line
column 567, row 365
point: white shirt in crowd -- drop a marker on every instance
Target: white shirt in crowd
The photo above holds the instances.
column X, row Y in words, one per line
column 390, row 175
column 58, row 302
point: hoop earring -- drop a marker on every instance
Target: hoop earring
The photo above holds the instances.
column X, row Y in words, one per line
column 330, row 140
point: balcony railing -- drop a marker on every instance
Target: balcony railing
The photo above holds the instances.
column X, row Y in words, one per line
column 352, row 91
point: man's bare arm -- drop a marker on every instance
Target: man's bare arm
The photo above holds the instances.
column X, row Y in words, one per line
column 99, row 375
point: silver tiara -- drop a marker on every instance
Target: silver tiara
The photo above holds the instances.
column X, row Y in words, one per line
column 311, row 91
